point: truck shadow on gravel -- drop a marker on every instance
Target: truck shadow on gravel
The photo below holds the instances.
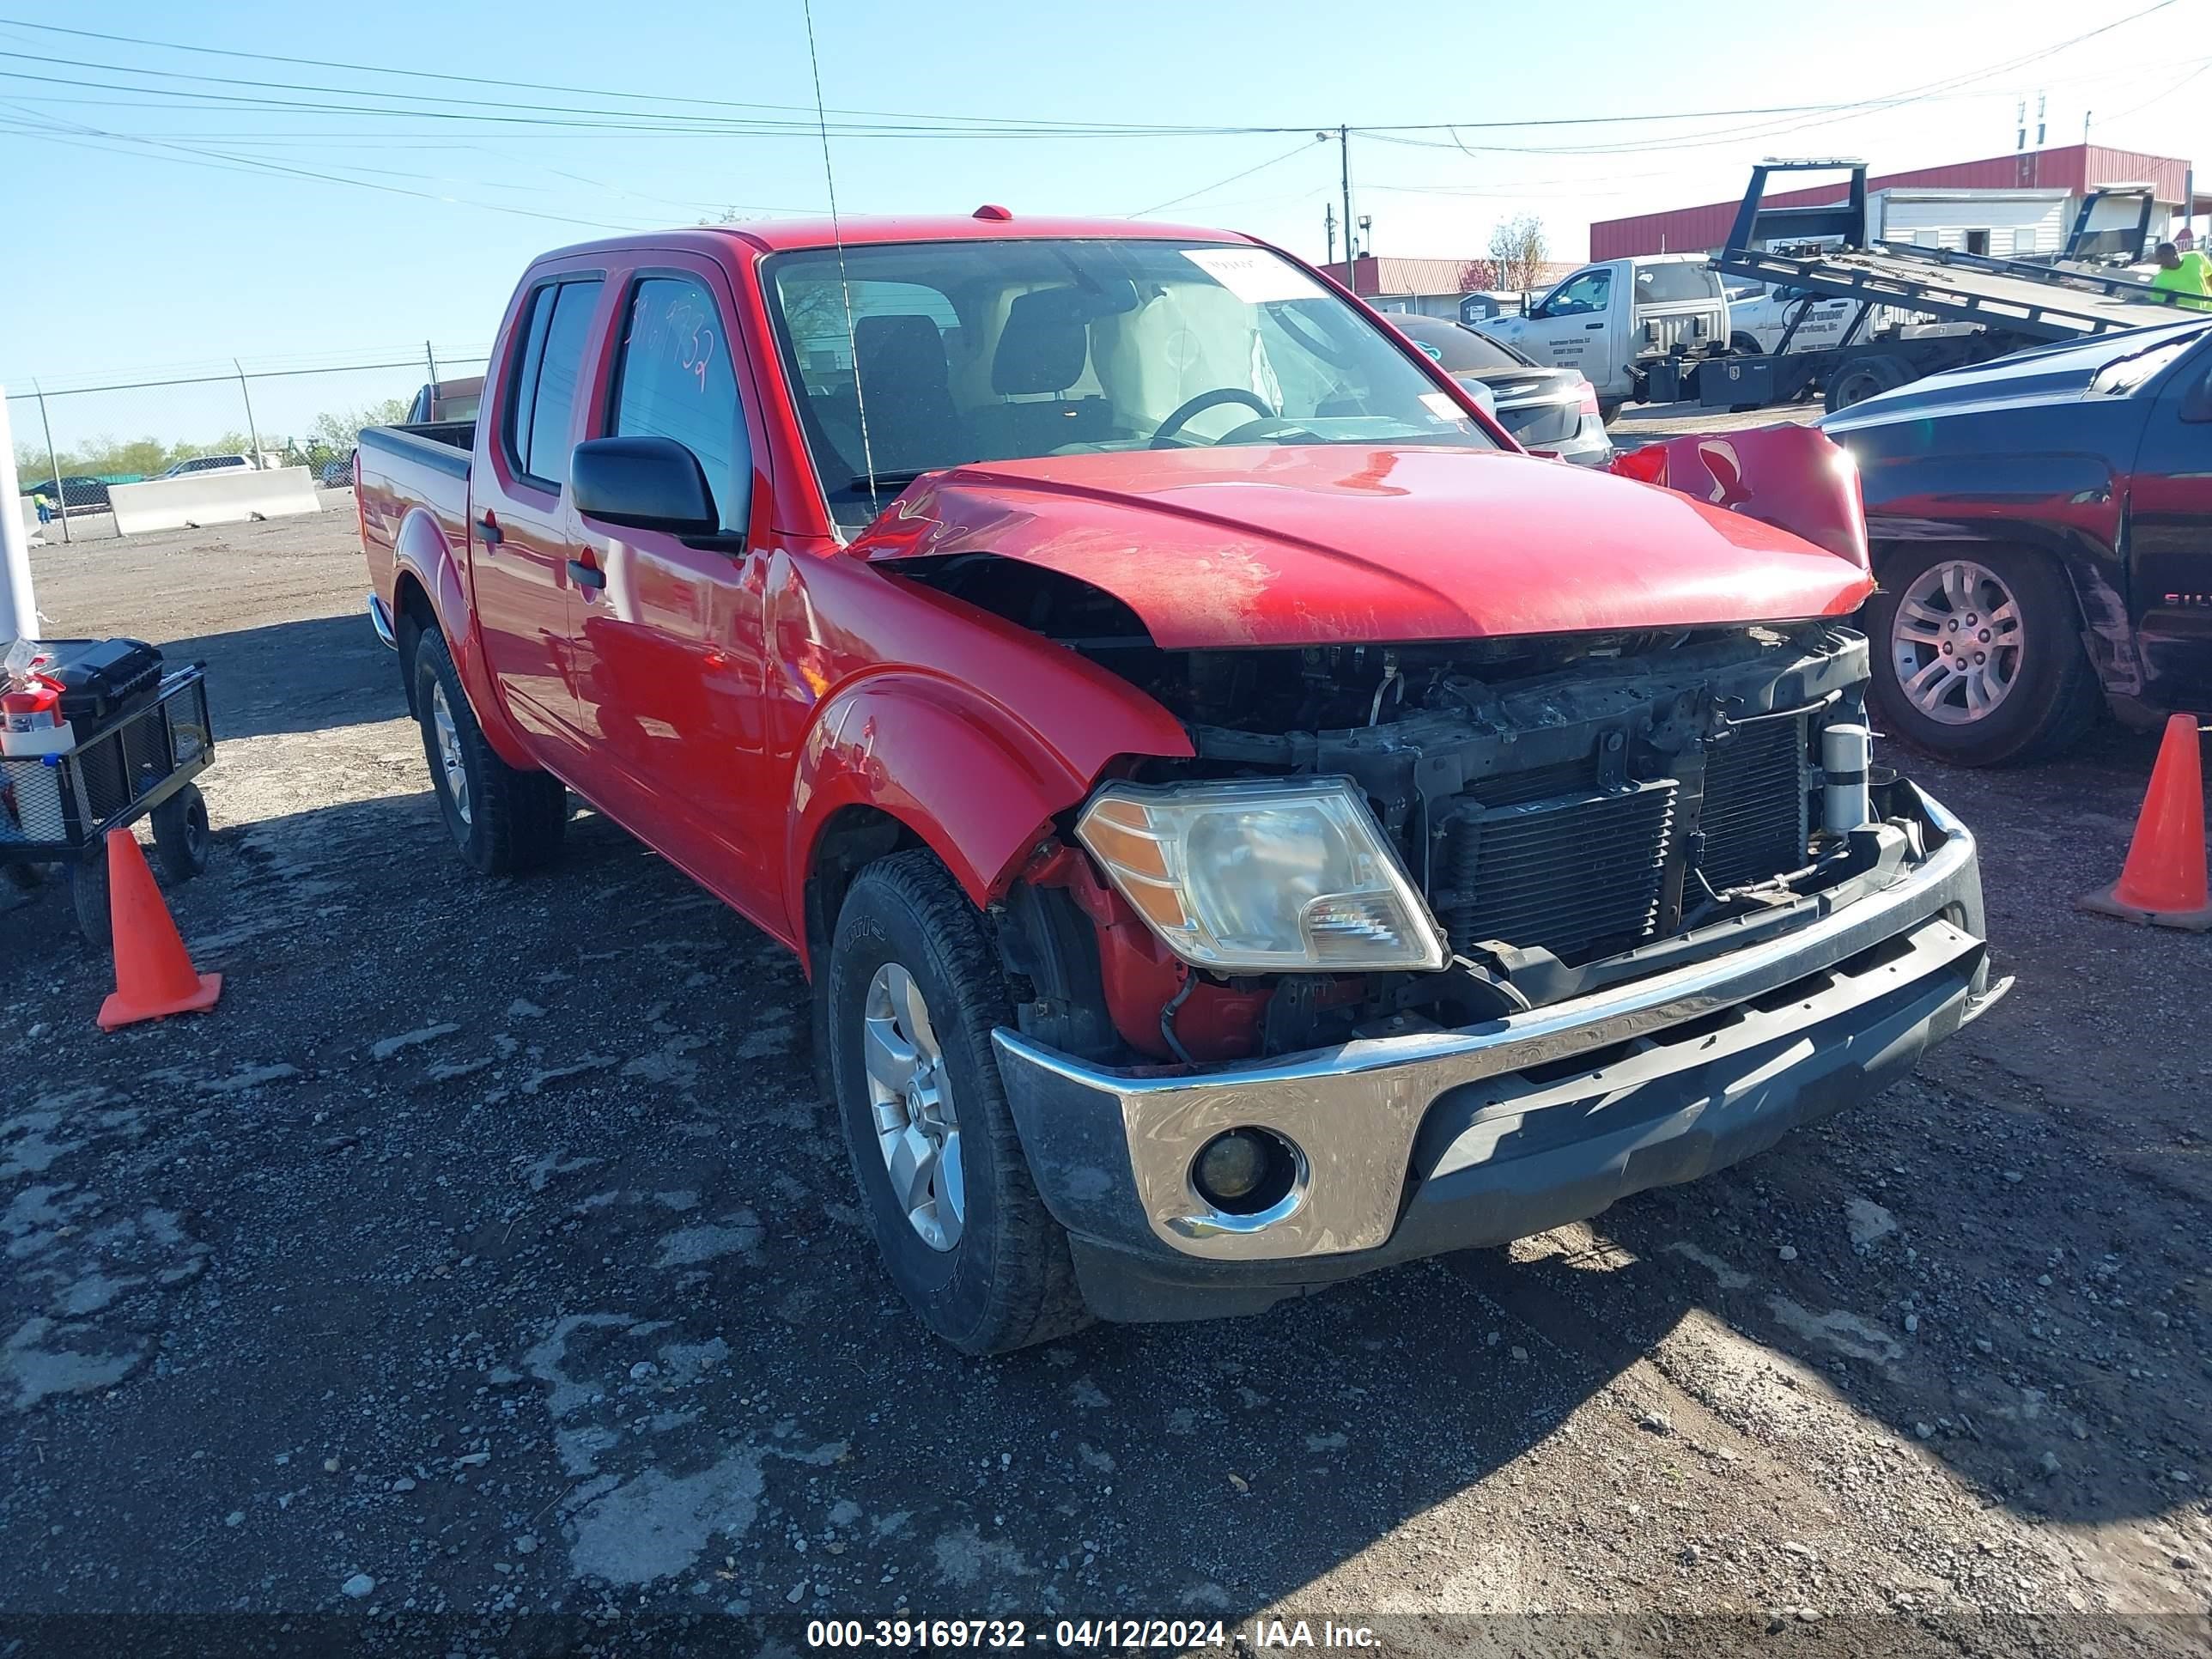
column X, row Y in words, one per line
column 490, row 1240
column 307, row 675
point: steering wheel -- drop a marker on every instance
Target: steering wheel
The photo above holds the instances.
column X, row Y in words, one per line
column 1166, row 436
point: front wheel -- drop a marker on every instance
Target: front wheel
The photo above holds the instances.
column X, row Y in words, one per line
column 502, row 819
column 1977, row 655
column 914, row 992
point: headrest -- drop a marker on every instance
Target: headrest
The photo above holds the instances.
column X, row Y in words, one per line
column 1045, row 343
column 907, row 347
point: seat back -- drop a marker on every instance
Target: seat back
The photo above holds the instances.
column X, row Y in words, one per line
column 905, row 389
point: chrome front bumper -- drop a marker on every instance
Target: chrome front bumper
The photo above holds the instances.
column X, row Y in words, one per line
column 1687, row 1071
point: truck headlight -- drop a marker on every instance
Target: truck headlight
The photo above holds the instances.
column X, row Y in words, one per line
column 1261, row 876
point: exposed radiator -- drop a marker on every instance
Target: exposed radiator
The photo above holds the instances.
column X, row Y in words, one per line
column 1754, row 815
column 1563, row 873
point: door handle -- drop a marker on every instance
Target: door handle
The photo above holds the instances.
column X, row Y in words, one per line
column 488, row 527
column 586, row 576
column 1592, row 325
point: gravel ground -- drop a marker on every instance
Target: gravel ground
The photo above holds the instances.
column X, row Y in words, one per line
column 486, row 1256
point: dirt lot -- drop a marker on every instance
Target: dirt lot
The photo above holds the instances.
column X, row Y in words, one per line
column 487, row 1255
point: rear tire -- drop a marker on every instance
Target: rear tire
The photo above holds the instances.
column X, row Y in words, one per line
column 1608, row 410
column 502, row 819
column 1864, row 377
column 2051, row 694
column 971, row 1246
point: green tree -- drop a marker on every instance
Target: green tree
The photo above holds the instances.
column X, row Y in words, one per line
column 335, row 432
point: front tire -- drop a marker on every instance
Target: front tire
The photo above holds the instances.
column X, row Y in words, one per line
column 913, row 993
column 502, row 819
column 1977, row 655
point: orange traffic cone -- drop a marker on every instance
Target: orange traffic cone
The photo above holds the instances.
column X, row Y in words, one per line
column 153, row 975
column 2163, row 881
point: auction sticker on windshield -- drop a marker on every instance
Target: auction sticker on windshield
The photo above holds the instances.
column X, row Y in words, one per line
column 1254, row 275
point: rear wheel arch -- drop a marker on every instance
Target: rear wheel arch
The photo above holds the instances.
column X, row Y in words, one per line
column 423, row 559
column 413, row 616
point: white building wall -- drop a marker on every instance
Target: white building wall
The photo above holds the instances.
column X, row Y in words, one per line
column 2017, row 222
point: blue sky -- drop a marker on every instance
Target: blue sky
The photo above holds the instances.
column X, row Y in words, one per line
column 131, row 255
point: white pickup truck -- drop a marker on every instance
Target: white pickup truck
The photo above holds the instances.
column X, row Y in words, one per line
column 1608, row 317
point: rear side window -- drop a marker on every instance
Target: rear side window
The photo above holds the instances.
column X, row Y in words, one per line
column 1671, row 284
column 675, row 379
column 546, row 379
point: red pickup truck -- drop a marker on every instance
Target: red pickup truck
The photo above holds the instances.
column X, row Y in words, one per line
column 1245, row 822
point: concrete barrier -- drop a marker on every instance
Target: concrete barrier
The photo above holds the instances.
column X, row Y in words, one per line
column 204, row 498
column 34, row 533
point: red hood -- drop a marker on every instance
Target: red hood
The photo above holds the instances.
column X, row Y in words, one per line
column 1315, row 545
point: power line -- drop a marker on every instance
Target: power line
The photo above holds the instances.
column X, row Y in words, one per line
column 1206, row 189
column 254, row 163
column 878, row 123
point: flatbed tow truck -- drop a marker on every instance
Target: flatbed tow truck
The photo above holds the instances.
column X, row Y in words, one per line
column 1980, row 307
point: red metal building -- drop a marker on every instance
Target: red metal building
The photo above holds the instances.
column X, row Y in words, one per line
column 2074, row 168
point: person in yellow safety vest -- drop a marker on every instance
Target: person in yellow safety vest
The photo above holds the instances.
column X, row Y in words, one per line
column 2189, row 273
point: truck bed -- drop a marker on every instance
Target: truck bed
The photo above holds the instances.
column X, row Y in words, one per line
column 1925, row 281
column 406, row 468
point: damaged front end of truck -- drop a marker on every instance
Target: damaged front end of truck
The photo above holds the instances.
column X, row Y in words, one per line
column 1432, row 942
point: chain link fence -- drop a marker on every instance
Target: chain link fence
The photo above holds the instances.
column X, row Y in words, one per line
column 75, row 437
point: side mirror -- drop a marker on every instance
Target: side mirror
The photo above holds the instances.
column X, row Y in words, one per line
column 643, row 483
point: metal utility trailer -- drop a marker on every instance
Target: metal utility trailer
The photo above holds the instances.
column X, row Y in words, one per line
column 57, row 809
column 1982, row 306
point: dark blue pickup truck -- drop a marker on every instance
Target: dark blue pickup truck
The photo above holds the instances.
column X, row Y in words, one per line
column 2041, row 527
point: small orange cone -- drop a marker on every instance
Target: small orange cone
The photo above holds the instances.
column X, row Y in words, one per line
column 153, row 975
column 2163, row 881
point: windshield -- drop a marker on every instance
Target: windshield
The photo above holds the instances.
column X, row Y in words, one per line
column 1008, row 351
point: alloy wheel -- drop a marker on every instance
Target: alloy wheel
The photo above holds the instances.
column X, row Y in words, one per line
column 449, row 752
column 1956, row 642
column 910, row 1101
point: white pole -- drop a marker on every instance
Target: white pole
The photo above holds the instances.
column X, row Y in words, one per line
column 19, row 616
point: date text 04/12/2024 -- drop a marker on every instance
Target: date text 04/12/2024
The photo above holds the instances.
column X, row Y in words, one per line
column 1173, row 1635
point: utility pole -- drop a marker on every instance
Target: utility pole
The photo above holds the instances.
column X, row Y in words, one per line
column 252, row 430
column 1351, row 252
column 53, row 462
column 19, row 616
column 431, row 358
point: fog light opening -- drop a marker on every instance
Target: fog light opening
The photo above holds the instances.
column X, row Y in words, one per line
column 1245, row 1172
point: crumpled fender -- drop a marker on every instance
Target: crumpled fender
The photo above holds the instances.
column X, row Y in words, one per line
column 422, row 550
column 977, row 784
column 1795, row 477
